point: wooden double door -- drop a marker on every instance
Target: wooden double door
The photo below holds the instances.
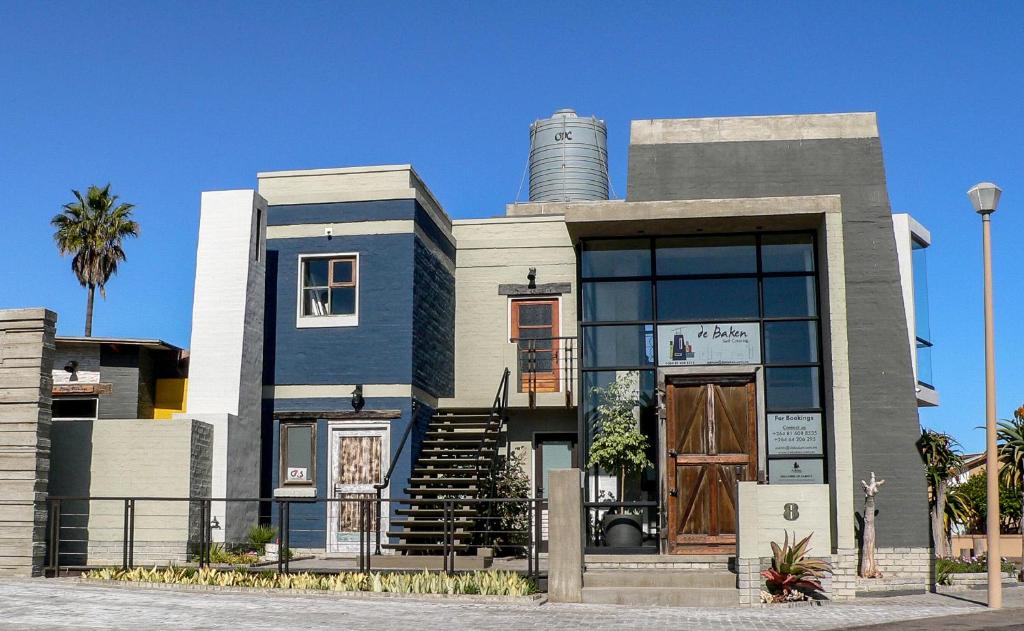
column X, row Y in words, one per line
column 711, row 444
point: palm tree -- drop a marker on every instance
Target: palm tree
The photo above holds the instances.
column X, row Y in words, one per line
column 92, row 229
column 943, row 460
column 1010, row 436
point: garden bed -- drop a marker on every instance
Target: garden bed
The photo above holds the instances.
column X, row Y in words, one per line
column 489, row 586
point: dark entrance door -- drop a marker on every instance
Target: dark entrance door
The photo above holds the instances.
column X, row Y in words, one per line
column 711, row 443
column 551, row 451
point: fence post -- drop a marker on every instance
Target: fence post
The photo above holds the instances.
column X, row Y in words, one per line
column 565, row 549
column 377, row 526
column 280, row 536
column 532, row 505
column 55, row 536
column 369, row 521
column 124, row 537
column 131, row 533
column 287, row 537
column 362, row 537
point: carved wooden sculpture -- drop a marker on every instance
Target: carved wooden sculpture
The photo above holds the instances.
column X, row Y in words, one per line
column 868, row 563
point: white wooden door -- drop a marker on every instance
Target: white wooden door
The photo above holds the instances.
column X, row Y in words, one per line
column 359, row 458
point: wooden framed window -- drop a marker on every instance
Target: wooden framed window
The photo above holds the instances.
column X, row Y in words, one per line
column 534, row 328
column 328, row 290
column 298, row 454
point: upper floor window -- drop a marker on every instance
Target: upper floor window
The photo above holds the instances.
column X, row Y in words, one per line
column 922, row 324
column 328, row 290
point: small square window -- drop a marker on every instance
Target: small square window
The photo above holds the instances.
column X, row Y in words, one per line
column 298, row 454
column 329, row 290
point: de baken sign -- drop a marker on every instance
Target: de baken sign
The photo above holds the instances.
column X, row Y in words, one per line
column 708, row 344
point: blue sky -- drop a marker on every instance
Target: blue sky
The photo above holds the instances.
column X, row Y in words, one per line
column 165, row 100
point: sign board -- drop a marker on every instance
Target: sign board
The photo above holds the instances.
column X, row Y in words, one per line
column 794, row 434
column 767, row 513
column 709, row 344
column 796, row 471
column 296, row 474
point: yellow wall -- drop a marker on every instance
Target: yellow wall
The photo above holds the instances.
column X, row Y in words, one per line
column 170, row 397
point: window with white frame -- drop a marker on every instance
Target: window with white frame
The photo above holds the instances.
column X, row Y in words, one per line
column 328, row 290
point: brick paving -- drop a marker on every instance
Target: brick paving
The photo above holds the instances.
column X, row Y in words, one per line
column 64, row 603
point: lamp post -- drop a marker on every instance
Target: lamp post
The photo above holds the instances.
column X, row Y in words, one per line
column 985, row 197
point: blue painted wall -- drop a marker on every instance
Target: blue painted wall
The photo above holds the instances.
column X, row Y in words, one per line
column 433, row 360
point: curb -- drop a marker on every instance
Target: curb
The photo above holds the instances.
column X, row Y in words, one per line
column 532, row 600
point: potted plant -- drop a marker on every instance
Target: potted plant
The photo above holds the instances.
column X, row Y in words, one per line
column 619, row 446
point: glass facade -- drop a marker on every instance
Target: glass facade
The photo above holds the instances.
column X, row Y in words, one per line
column 922, row 328
column 766, row 283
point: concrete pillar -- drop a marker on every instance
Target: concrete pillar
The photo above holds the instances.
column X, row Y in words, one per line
column 225, row 385
column 565, row 536
column 26, row 362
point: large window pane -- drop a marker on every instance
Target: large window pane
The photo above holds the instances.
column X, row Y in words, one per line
column 315, row 273
column 924, row 364
column 789, row 296
column 629, row 345
column 616, row 257
column 712, row 299
column 314, row 302
column 343, row 300
column 787, row 253
column 792, row 388
column 791, row 342
column 626, row 300
column 707, row 255
column 919, row 262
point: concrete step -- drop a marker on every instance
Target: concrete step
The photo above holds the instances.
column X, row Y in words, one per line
column 659, row 562
column 662, row 596
column 659, row 578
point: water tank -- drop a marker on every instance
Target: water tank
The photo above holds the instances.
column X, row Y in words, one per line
column 568, row 158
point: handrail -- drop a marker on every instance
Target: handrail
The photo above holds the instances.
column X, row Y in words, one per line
column 562, row 351
column 386, row 482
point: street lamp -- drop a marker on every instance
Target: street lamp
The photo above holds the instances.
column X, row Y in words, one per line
column 985, row 197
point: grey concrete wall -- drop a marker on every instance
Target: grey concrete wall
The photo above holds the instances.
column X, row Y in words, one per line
column 26, row 362
column 120, row 368
column 883, row 405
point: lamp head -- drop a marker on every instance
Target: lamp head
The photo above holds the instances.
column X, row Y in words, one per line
column 984, row 197
column 357, row 398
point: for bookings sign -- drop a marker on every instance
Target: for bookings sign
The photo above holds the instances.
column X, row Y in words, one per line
column 709, row 344
column 794, row 434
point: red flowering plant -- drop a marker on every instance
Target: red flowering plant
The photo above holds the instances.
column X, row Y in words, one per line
column 793, row 576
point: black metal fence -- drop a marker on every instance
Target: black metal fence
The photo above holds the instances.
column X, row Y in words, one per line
column 357, row 532
column 546, row 364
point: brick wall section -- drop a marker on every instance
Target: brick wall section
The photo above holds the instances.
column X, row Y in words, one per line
column 200, row 473
column 26, row 364
column 433, row 322
column 903, row 569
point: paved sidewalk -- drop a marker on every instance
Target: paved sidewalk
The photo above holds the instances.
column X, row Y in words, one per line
column 64, row 603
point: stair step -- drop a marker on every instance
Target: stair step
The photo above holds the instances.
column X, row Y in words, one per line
column 411, row 547
column 458, row 451
column 448, row 460
column 663, row 596
column 659, row 578
column 436, row 512
column 458, row 438
column 466, row 520
column 426, row 534
column 446, row 436
column 442, row 491
column 435, row 481
column 424, row 471
column 463, row 426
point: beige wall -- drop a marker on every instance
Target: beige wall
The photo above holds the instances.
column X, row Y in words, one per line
column 132, row 458
column 499, row 251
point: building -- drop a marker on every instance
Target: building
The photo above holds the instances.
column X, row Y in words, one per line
column 753, row 286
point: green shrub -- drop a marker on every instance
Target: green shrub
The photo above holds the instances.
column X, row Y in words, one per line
column 487, row 583
column 260, row 535
column 944, row 567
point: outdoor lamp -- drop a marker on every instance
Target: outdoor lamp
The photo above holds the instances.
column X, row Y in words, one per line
column 984, row 197
column 357, row 398
column 215, row 525
column 71, row 366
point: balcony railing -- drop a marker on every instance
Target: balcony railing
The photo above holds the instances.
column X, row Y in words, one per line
column 546, row 364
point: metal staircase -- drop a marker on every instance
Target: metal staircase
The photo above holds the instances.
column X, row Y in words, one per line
column 455, row 464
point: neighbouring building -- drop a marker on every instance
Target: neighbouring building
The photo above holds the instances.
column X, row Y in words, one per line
column 753, row 293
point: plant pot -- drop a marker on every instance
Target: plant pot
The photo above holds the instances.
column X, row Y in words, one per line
column 622, row 530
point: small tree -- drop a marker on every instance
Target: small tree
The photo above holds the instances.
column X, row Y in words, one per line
column 1010, row 435
column 943, row 461
column 618, row 443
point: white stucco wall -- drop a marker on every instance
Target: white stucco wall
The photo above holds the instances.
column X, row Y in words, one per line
column 226, row 364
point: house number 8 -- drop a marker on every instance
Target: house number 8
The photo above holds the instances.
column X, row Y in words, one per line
column 791, row 512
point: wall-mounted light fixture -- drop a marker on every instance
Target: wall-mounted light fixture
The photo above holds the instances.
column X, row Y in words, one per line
column 357, row 398
column 531, row 278
column 71, row 366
